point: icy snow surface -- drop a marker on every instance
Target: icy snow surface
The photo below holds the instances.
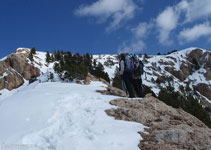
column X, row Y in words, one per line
column 64, row 116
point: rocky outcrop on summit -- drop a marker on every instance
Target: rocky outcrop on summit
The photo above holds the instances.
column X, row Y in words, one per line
column 169, row 128
column 19, row 62
column 15, row 68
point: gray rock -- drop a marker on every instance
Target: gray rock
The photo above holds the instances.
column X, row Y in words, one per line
column 169, row 128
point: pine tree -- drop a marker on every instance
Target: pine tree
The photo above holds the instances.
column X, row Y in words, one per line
column 33, row 50
column 52, row 58
column 48, row 57
column 116, row 80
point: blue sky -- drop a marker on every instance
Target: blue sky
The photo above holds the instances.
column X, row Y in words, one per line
column 105, row 26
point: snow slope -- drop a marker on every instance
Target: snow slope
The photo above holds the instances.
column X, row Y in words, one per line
column 64, row 116
column 104, row 58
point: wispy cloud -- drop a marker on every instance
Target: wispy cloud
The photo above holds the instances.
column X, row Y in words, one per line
column 142, row 30
column 136, row 43
column 195, row 9
column 132, row 46
column 194, row 33
column 117, row 11
column 166, row 22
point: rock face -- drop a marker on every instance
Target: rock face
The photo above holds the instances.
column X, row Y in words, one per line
column 19, row 63
column 169, row 128
column 204, row 89
column 9, row 78
column 15, row 68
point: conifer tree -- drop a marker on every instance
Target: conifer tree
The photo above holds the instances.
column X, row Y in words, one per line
column 33, row 50
column 48, row 57
column 52, row 58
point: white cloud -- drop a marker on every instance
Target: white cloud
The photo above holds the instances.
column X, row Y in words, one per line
column 133, row 47
column 142, row 30
column 166, row 22
column 116, row 10
column 192, row 34
column 184, row 12
column 195, row 9
column 136, row 44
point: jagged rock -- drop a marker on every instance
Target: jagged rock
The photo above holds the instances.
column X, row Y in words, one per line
column 169, row 128
column 204, row 89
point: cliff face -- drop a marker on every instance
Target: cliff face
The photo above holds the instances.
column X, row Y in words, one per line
column 15, row 68
column 169, row 128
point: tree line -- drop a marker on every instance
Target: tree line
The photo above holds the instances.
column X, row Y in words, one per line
column 75, row 66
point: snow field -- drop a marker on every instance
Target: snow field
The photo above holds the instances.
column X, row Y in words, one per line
column 65, row 116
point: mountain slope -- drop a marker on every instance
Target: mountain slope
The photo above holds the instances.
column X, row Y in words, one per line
column 63, row 116
column 190, row 67
column 58, row 115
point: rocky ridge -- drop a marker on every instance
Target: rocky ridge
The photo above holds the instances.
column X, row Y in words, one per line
column 169, row 128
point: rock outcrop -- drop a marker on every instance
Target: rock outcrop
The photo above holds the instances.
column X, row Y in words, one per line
column 169, row 128
column 204, row 89
column 110, row 90
column 19, row 62
column 15, row 68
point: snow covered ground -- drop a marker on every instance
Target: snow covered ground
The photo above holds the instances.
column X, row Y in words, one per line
column 63, row 116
